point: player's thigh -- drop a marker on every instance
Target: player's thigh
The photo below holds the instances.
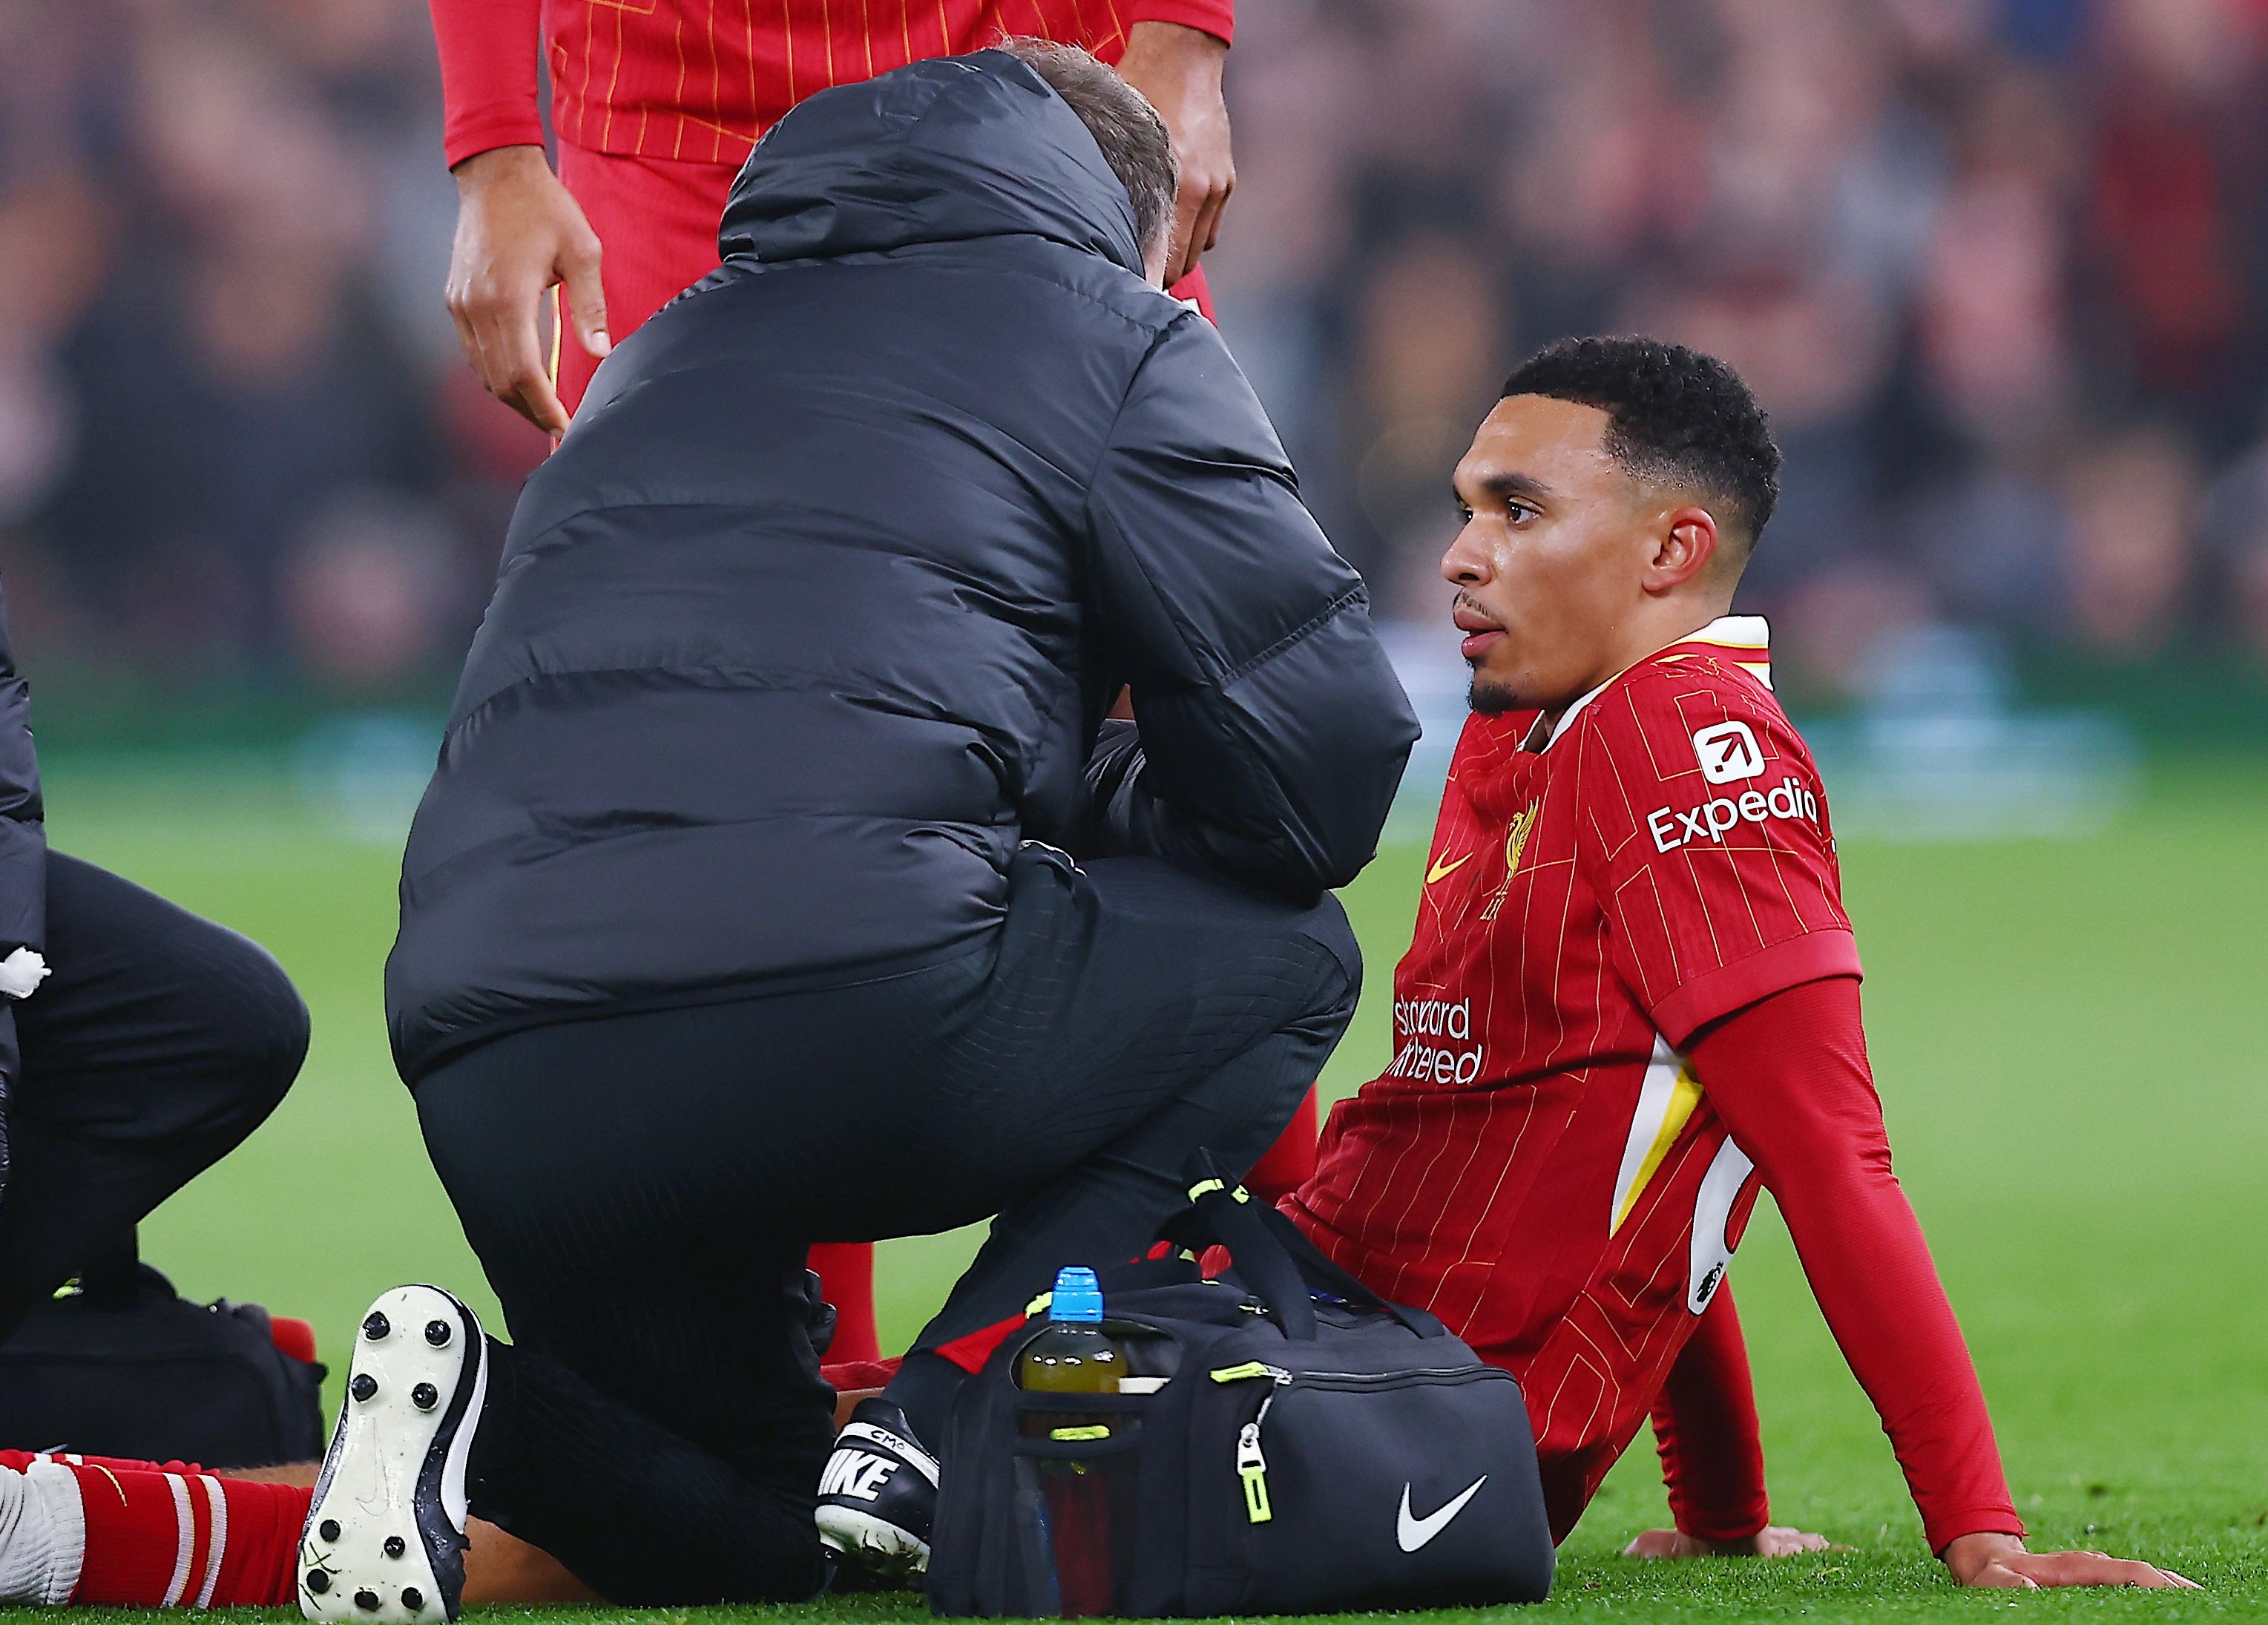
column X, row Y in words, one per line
column 793, row 1117
column 656, row 222
column 1123, row 986
column 154, row 1022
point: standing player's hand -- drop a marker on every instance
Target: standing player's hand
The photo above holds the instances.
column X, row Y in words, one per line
column 1775, row 1541
column 519, row 233
column 1178, row 69
column 2001, row 1561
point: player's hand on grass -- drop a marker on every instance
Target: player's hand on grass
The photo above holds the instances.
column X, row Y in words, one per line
column 519, row 232
column 1774, row 1541
column 2001, row 1561
column 1178, row 69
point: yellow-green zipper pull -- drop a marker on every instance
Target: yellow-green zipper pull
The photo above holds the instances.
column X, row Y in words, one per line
column 1252, row 1468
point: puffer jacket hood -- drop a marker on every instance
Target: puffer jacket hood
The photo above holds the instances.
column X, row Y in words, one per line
column 945, row 151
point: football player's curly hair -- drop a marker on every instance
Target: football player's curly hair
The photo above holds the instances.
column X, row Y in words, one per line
column 1674, row 417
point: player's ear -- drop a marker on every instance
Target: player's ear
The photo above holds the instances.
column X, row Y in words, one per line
column 1683, row 549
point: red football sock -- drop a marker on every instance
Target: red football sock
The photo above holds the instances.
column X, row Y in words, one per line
column 848, row 1376
column 157, row 1539
column 21, row 1458
column 1291, row 1162
column 846, row 1280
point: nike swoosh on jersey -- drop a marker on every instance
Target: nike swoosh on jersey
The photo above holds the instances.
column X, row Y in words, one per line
column 1412, row 1534
column 1442, row 871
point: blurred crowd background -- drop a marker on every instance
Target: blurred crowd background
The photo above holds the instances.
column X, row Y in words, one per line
column 1998, row 269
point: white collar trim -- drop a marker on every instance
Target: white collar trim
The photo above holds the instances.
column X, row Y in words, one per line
column 1735, row 631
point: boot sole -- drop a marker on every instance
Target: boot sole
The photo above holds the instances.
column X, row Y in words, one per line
column 385, row 1537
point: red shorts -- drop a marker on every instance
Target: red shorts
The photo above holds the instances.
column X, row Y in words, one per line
column 657, row 224
column 656, row 220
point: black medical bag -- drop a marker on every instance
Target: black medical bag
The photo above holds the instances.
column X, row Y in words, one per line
column 120, row 1364
column 1302, row 1446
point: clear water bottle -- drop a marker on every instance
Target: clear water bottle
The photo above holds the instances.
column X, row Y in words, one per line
column 1073, row 1356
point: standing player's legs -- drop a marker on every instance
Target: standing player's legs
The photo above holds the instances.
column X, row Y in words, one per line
column 158, row 1044
column 656, row 220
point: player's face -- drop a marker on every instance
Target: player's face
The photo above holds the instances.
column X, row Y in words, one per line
column 1555, row 535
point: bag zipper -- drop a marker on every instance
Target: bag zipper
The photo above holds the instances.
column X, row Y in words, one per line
column 1252, row 1461
column 1252, row 1470
column 1367, row 1379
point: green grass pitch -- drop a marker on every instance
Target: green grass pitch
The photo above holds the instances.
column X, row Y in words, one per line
column 2068, row 1037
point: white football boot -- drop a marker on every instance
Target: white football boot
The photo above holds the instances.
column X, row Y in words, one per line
column 384, row 1538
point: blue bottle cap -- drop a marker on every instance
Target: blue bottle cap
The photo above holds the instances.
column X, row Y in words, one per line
column 1077, row 1295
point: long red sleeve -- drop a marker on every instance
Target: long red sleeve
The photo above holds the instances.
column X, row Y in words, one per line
column 1706, row 1429
column 1790, row 1077
column 489, row 51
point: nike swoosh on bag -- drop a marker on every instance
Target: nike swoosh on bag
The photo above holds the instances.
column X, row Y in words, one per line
column 1410, row 1533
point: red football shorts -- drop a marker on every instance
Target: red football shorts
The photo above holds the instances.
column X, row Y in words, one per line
column 656, row 218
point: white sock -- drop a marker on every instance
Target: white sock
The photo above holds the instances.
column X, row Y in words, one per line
column 42, row 1534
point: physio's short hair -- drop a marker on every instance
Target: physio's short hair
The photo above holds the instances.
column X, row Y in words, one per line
column 1124, row 124
column 1674, row 417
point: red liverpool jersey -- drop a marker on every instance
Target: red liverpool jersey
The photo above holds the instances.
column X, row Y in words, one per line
column 698, row 81
column 1538, row 1165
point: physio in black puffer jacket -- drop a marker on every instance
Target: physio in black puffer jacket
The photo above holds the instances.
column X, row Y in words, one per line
column 780, row 881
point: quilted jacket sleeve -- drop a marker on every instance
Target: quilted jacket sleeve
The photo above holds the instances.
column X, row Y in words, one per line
column 1272, row 730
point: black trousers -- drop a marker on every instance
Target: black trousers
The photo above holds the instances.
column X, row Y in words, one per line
column 158, row 1041
column 642, row 1189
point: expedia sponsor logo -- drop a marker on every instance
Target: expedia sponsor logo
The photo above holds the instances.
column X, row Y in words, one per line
column 1715, row 819
column 1729, row 753
column 1435, row 1041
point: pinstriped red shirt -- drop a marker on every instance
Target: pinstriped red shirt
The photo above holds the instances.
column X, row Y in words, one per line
column 700, row 80
column 1537, row 1165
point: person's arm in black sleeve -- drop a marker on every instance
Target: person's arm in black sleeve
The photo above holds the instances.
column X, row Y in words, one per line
column 1271, row 729
column 23, row 865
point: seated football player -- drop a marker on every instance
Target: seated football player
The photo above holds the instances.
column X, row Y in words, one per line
column 1632, row 1000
